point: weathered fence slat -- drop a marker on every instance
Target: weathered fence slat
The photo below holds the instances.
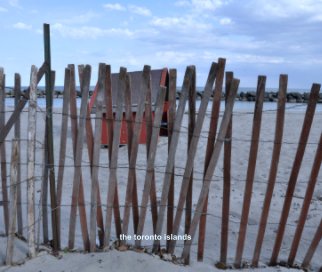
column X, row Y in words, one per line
column 212, row 165
column 3, row 153
column 151, row 159
column 63, row 140
column 50, row 140
column 192, row 152
column 96, row 154
column 31, row 160
column 22, row 103
column 131, row 190
column 220, row 68
column 306, row 202
column 74, row 125
column 314, row 244
column 110, row 118
column 279, row 127
column 171, row 118
column 112, row 183
column 13, row 199
column 44, row 192
column 149, row 124
column 77, row 182
column 227, row 181
column 251, row 168
column 308, row 119
column 173, row 148
column 17, row 133
column 191, row 128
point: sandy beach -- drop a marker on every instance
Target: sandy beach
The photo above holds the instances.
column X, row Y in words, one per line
column 131, row 261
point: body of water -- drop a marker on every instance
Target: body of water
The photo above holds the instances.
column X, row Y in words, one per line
column 239, row 105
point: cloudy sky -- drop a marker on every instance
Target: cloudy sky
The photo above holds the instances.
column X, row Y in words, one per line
column 256, row 37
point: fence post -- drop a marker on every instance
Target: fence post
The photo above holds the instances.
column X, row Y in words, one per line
column 151, row 159
column 96, row 155
column 212, row 165
column 192, row 152
column 227, row 181
column 50, row 140
column 31, row 160
column 149, row 128
column 17, row 93
column 191, row 128
column 280, row 116
column 251, row 168
column 314, row 244
column 112, row 183
column 3, row 152
column 308, row 119
column 131, row 189
column 78, row 139
column 306, row 202
column 13, row 199
column 172, row 153
column 171, row 119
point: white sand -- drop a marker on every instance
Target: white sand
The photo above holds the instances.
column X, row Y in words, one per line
column 130, row 261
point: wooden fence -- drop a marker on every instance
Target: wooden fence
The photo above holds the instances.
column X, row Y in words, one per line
column 103, row 187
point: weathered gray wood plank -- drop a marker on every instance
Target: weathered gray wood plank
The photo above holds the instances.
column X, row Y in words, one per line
column 212, row 165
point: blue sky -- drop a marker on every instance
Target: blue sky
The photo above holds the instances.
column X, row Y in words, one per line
column 256, row 37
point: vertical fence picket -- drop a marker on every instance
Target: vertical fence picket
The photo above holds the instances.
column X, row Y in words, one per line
column 172, row 153
column 31, row 161
column 110, row 131
column 171, row 120
column 192, row 152
column 3, row 153
column 313, row 246
column 78, row 189
column 212, row 165
column 17, row 133
column 257, row 119
column 151, row 159
column 149, row 128
column 13, row 199
column 191, row 128
column 96, row 155
column 220, row 69
column 63, row 143
column 308, row 119
column 112, row 182
column 131, row 190
column 280, row 116
column 306, row 202
column 227, row 180
column 44, row 192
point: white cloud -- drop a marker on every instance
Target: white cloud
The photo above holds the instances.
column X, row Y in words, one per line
column 180, row 23
column 115, row 6
column 81, row 18
column 23, row 26
column 2, row 9
column 89, row 32
column 201, row 5
column 175, row 57
column 225, row 21
column 284, row 9
column 15, row 4
column 140, row 10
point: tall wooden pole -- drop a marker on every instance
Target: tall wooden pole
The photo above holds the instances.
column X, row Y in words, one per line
column 50, row 143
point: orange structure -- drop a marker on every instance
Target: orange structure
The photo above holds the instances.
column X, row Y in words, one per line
column 158, row 78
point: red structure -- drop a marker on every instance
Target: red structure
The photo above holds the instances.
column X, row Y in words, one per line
column 158, row 78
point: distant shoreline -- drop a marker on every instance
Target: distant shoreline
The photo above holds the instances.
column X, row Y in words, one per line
column 242, row 95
